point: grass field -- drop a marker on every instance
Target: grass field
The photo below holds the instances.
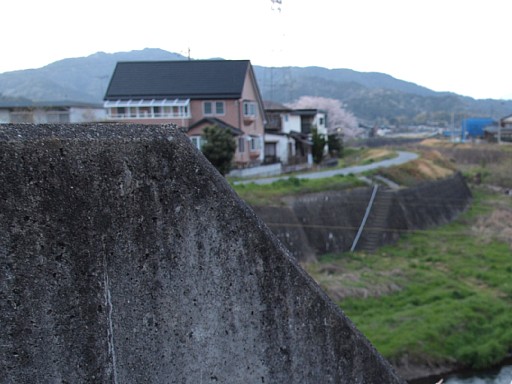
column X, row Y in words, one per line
column 441, row 295
column 272, row 194
column 291, row 185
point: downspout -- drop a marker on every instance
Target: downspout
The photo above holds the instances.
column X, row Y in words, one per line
column 239, row 116
column 238, row 108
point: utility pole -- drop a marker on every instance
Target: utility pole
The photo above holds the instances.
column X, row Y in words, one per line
column 499, row 131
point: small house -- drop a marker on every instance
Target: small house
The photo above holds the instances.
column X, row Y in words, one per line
column 193, row 95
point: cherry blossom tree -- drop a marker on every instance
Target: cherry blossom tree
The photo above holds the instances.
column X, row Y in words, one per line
column 339, row 119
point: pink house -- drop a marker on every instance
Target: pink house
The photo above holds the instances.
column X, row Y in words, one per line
column 193, row 95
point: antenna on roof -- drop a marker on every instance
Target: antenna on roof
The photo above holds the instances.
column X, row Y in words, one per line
column 276, row 5
column 281, row 79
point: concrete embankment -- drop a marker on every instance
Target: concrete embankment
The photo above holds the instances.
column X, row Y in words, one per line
column 126, row 258
column 330, row 220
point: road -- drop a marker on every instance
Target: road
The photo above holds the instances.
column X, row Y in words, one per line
column 403, row 157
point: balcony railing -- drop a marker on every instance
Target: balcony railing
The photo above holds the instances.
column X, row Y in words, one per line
column 148, row 109
column 129, row 116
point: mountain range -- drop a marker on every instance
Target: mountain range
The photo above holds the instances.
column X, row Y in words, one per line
column 375, row 98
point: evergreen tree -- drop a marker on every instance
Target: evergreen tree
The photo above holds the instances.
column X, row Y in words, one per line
column 219, row 148
column 318, row 145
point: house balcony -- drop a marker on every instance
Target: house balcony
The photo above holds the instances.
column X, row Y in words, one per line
column 132, row 116
column 148, row 109
column 274, row 123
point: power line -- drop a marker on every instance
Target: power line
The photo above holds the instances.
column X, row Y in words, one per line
column 430, row 203
column 369, row 229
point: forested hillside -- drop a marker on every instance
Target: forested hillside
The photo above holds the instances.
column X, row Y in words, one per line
column 375, row 98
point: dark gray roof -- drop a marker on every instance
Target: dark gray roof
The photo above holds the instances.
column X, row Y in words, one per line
column 219, row 123
column 196, row 79
column 307, row 112
column 274, row 106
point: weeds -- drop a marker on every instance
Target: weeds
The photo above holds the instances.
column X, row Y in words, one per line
column 453, row 292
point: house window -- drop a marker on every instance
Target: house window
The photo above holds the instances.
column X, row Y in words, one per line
column 249, row 108
column 270, row 149
column 197, row 141
column 57, row 117
column 144, row 111
column 213, row 108
column 22, row 117
column 321, row 121
column 241, row 144
column 254, row 143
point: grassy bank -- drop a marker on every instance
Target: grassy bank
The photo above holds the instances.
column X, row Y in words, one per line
column 291, row 185
column 272, row 194
column 442, row 295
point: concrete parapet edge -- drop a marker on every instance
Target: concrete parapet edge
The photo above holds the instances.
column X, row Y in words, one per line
column 126, row 258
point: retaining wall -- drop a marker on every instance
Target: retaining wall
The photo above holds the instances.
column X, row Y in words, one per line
column 330, row 221
column 126, row 258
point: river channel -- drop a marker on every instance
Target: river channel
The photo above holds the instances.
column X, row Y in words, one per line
column 501, row 375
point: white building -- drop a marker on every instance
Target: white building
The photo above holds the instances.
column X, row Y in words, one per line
column 47, row 112
column 288, row 133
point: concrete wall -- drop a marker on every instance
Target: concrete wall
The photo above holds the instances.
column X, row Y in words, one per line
column 262, row 170
column 126, row 258
column 433, row 203
column 85, row 115
column 331, row 220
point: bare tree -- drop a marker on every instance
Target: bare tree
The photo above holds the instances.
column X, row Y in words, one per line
column 339, row 119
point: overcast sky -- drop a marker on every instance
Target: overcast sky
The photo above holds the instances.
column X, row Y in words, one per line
column 461, row 46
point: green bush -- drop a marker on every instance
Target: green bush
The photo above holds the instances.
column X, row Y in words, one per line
column 219, row 148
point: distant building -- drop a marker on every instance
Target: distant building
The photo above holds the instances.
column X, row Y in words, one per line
column 501, row 132
column 41, row 112
column 474, row 127
column 288, row 133
column 193, row 95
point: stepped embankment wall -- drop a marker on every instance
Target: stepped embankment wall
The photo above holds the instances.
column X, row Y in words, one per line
column 331, row 220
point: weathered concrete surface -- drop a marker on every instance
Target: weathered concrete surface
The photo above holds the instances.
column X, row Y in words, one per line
column 289, row 230
column 331, row 219
column 125, row 258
